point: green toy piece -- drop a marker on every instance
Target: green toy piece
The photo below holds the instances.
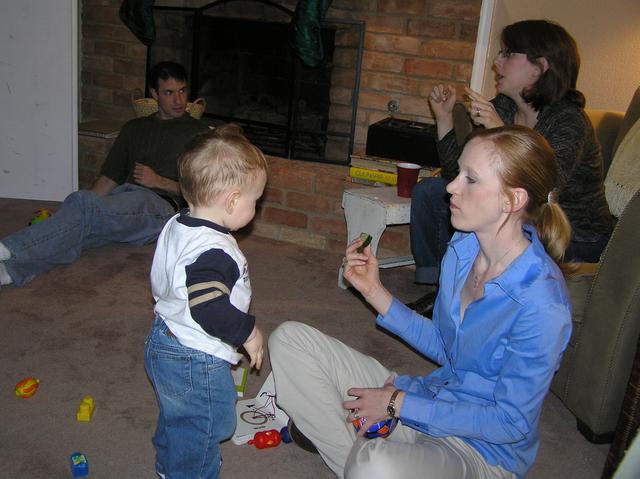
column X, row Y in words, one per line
column 366, row 238
column 40, row 216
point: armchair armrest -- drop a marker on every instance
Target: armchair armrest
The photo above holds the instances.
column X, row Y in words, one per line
column 606, row 125
column 585, row 269
column 609, row 329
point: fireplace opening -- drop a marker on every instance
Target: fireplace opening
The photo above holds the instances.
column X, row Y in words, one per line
column 248, row 72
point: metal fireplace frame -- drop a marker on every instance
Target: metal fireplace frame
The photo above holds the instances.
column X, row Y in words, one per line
column 290, row 132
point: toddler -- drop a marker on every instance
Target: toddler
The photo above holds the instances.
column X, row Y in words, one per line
column 200, row 284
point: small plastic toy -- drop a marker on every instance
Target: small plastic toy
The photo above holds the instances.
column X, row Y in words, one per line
column 286, row 435
column 265, row 439
column 366, row 237
column 27, row 387
column 39, row 216
column 79, row 465
column 85, row 411
column 380, row 429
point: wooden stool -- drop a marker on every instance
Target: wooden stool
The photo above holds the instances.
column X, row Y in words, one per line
column 370, row 210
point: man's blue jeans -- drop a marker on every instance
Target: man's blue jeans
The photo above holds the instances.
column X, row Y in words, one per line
column 196, row 397
column 129, row 214
column 430, row 228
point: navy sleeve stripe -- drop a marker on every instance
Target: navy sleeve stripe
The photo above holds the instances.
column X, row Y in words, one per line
column 208, row 285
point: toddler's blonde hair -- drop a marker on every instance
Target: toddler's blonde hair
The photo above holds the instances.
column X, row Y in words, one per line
column 217, row 160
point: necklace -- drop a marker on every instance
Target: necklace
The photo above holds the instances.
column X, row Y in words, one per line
column 476, row 277
column 476, row 281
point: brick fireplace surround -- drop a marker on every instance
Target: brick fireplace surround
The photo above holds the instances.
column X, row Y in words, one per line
column 410, row 45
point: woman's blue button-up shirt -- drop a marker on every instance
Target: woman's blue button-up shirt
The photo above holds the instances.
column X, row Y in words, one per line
column 497, row 364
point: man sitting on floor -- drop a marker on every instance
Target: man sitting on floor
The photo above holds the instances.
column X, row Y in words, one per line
column 136, row 193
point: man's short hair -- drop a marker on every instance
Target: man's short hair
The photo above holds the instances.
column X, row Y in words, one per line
column 216, row 161
column 164, row 71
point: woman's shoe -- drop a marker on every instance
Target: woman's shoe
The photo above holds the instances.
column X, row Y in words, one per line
column 300, row 439
column 424, row 305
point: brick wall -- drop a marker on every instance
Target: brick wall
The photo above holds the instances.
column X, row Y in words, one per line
column 91, row 154
column 410, row 45
column 303, row 204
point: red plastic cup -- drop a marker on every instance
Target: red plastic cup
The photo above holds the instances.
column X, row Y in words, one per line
column 407, row 178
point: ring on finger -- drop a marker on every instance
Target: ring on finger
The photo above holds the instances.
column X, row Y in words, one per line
column 355, row 414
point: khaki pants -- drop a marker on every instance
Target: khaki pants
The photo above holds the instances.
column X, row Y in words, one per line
column 312, row 373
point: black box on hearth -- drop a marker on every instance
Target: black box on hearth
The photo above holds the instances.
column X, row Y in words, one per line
column 403, row 140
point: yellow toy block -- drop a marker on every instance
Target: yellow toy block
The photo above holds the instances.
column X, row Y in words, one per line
column 85, row 411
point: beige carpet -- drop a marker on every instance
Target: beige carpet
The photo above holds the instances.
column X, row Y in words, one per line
column 80, row 329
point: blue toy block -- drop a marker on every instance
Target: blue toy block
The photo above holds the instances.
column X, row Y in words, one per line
column 79, row 465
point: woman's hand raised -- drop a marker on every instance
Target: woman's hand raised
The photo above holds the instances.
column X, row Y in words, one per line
column 361, row 270
column 441, row 100
column 482, row 111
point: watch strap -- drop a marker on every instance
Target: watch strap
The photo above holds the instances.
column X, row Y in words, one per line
column 391, row 407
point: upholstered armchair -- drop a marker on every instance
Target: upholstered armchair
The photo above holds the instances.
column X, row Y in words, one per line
column 596, row 366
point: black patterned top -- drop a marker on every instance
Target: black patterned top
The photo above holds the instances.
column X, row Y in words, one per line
column 568, row 130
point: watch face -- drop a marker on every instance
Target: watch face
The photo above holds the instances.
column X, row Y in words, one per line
column 391, row 407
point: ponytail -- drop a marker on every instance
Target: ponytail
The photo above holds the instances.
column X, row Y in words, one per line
column 526, row 160
column 554, row 231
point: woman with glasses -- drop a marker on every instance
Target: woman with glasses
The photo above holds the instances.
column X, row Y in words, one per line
column 536, row 72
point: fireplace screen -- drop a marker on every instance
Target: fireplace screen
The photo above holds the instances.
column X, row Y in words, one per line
column 248, row 73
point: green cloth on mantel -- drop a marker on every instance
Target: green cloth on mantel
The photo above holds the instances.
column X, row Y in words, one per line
column 306, row 39
column 305, row 30
column 137, row 15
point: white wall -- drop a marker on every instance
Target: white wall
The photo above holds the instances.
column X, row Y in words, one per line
column 607, row 34
column 38, row 98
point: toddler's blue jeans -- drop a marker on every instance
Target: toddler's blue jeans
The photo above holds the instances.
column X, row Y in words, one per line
column 196, row 397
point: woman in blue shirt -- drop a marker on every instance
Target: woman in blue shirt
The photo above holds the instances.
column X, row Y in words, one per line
column 501, row 321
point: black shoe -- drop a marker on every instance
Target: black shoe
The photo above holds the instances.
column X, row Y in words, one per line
column 424, row 305
column 300, row 439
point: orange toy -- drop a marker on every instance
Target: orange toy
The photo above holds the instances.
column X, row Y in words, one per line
column 265, row 439
column 27, row 387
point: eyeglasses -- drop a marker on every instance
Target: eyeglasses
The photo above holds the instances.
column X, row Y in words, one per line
column 507, row 53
